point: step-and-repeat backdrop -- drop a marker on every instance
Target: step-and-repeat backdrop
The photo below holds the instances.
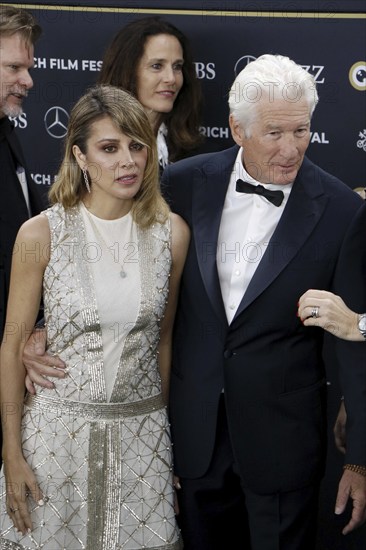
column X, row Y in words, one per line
column 329, row 42
column 329, row 45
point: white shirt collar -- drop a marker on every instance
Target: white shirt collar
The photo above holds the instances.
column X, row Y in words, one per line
column 163, row 153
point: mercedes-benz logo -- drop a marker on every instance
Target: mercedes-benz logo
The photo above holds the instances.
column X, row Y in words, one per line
column 242, row 63
column 56, row 120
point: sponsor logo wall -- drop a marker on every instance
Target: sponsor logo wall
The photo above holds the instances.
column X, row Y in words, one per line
column 331, row 46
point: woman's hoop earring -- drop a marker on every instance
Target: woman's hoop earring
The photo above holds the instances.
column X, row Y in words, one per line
column 86, row 179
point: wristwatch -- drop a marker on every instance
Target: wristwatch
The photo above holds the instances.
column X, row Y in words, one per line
column 362, row 324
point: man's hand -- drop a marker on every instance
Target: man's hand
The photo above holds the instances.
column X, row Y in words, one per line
column 177, row 486
column 339, row 429
column 39, row 363
column 352, row 485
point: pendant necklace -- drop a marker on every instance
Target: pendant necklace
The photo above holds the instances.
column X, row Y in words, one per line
column 122, row 272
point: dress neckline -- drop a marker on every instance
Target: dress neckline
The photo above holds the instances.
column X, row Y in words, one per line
column 97, row 219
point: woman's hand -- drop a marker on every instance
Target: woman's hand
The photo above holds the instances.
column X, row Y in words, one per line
column 20, row 485
column 320, row 308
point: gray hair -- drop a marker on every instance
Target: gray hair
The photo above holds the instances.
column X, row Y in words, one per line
column 273, row 77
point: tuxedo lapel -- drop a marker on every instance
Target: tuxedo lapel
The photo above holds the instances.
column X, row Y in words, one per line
column 303, row 210
column 15, row 148
column 13, row 208
column 209, row 192
column 14, row 192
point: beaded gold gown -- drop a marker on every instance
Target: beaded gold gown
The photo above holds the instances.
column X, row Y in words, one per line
column 99, row 444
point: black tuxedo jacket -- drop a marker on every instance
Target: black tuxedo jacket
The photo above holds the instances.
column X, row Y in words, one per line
column 269, row 365
column 350, row 281
column 13, row 212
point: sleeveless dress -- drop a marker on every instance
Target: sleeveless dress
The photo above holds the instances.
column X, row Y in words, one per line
column 99, row 444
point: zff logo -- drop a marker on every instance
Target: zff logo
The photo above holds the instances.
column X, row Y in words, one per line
column 56, row 120
column 315, row 70
column 357, row 75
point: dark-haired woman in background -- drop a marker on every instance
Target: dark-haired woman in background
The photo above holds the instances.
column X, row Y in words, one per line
column 152, row 59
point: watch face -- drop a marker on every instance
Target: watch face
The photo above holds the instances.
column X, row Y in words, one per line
column 362, row 323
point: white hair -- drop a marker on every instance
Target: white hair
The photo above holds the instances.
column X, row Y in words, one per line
column 272, row 77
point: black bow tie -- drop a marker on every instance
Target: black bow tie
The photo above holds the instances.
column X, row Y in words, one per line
column 275, row 197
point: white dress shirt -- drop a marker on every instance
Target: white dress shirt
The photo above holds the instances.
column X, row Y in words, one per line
column 163, row 153
column 23, row 183
column 247, row 224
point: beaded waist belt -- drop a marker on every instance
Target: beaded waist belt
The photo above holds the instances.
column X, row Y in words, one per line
column 94, row 411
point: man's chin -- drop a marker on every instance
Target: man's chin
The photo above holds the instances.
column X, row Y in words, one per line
column 12, row 111
column 285, row 177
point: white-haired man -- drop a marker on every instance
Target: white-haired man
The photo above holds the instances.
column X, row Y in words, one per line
column 248, row 379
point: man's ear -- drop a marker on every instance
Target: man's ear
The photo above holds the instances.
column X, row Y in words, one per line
column 79, row 156
column 237, row 131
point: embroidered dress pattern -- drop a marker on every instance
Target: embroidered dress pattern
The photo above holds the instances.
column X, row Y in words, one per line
column 104, row 467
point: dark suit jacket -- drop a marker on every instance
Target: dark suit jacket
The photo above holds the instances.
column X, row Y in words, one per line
column 13, row 212
column 268, row 363
column 350, row 281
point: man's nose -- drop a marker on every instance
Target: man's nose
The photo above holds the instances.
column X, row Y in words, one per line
column 26, row 80
column 288, row 146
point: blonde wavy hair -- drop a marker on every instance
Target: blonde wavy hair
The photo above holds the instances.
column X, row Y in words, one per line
column 130, row 118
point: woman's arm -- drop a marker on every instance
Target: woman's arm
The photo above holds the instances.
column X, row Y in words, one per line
column 180, row 242
column 332, row 314
column 30, row 257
